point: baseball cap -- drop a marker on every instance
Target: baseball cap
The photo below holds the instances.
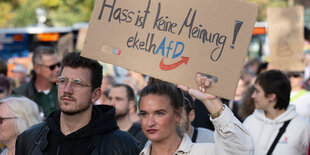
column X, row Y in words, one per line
column 20, row 68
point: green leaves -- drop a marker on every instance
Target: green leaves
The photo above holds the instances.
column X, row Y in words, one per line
column 21, row 13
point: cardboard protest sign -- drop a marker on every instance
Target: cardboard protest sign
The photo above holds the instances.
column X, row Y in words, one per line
column 286, row 38
column 173, row 40
column 65, row 44
column 81, row 39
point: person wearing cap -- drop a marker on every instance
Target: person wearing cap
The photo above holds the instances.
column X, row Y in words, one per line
column 4, row 86
column 19, row 74
column 299, row 96
column 42, row 86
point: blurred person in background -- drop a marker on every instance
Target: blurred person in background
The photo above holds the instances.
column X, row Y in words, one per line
column 16, row 115
column 247, row 105
column 107, row 82
column 197, row 135
column 140, row 79
column 275, row 126
column 42, row 87
column 19, row 74
column 299, row 97
column 3, row 68
column 4, row 86
column 121, row 96
column 133, row 112
column 262, row 68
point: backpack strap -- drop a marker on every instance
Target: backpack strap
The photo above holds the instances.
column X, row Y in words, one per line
column 281, row 131
column 194, row 138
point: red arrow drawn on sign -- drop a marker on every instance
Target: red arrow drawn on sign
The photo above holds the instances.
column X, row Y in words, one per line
column 172, row 66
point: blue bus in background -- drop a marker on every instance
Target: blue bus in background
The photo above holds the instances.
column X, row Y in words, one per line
column 19, row 42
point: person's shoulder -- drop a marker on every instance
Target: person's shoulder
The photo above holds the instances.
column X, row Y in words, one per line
column 250, row 121
column 122, row 136
column 300, row 122
column 34, row 130
column 121, row 141
column 22, row 89
column 203, row 148
column 204, row 130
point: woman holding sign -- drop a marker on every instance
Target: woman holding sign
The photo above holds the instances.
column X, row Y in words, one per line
column 160, row 112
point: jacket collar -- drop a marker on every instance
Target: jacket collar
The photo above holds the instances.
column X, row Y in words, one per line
column 185, row 146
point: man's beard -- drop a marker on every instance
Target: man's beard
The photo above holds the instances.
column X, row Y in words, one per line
column 119, row 114
column 76, row 111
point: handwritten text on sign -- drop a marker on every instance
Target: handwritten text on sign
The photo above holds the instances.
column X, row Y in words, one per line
column 162, row 23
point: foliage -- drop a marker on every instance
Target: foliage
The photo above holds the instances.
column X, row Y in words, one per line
column 264, row 4
column 22, row 13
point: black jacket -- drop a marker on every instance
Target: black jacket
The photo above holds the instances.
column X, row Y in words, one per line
column 102, row 135
column 28, row 89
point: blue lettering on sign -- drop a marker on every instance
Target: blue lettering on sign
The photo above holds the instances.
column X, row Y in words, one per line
column 162, row 46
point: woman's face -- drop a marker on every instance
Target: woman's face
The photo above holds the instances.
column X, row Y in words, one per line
column 158, row 118
column 7, row 127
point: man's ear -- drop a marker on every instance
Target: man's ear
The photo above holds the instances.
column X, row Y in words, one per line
column 36, row 68
column 191, row 115
column 96, row 95
column 272, row 97
column 132, row 105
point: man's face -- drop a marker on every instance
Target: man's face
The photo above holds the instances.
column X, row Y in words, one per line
column 44, row 70
column 118, row 99
column 185, row 122
column 260, row 100
column 74, row 99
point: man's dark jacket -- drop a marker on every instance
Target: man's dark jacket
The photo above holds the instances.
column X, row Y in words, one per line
column 100, row 137
column 28, row 89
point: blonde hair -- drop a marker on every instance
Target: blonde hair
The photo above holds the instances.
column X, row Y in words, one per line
column 26, row 111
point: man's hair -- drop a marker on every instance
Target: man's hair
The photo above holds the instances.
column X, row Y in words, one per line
column 188, row 103
column 275, row 81
column 129, row 91
column 26, row 111
column 3, row 67
column 4, row 83
column 75, row 60
column 165, row 89
column 39, row 52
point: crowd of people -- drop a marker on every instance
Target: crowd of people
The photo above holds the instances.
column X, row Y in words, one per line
column 70, row 106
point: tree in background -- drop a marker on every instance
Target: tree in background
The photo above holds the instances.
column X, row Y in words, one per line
column 22, row 13
column 263, row 4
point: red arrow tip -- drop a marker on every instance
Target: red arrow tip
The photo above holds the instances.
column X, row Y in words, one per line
column 185, row 59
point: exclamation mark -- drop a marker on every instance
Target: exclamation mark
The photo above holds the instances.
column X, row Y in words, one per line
column 238, row 25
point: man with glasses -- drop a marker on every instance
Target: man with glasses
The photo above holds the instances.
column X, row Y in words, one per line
column 79, row 127
column 42, row 87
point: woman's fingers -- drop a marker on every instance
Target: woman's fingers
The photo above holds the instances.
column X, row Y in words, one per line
column 198, row 81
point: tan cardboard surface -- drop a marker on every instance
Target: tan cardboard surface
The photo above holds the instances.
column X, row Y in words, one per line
column 173, row 40
column 81, row 39
column 65, row 44
column 286, row 37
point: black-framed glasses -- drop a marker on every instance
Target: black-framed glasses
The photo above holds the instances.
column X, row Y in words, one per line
column 4, row 118
column 52, row 67
column 62, row 81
